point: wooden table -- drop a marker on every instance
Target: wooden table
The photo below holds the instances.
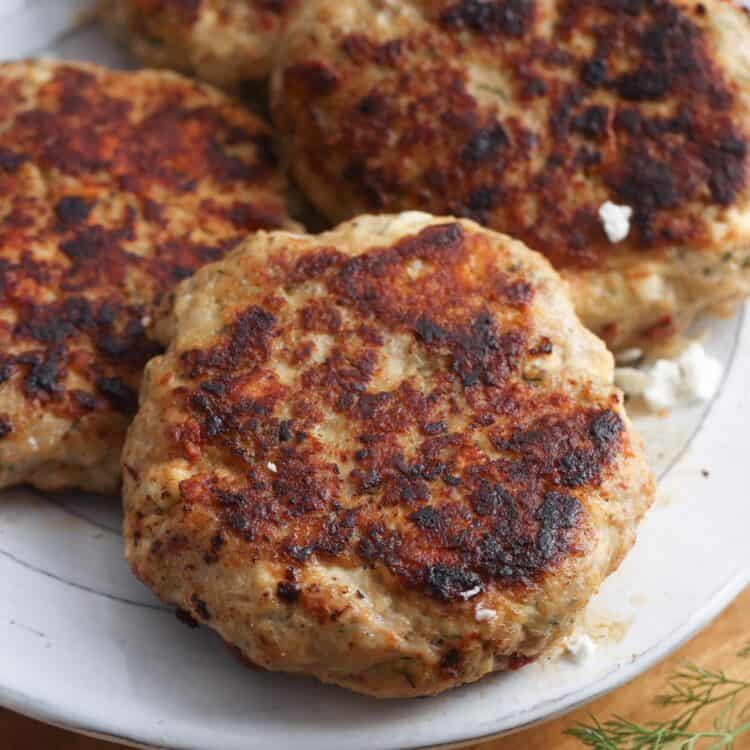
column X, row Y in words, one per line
column 716, row 647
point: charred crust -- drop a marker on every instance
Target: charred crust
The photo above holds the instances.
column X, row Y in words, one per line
column 606, row 427
column 451, row 661
column 485, row 144
column 449, row 583
column 72, row 283
column 245, row 344
column 122, row 398
column 212, row 556
column 427, row 518
column 504, row 17
column 428, row 331
column 6, row 427
column 285, row 430
column 493, row 500
column 442, row 516
column 287, row 592
column 543, row 347
column 72, row 210
column 43, row 375
column 10, row 160
column 592, row 122
column 556, row 515
column 85, row 401
column 594, row 72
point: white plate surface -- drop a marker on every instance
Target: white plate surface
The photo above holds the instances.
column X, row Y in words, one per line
column 83, row 644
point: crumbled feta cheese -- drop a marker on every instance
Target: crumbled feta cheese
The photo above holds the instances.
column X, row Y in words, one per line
column 693, row 376
column 470, row 593
column 701, row 373
column 484, row 615
column 629, row 356
column 146, row 321
column 272, row 467
column 32, row 443
column 664, row 385
column 579, row 648
column 616, row 220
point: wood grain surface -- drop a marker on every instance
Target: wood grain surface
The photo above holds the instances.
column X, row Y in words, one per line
column 716, row 647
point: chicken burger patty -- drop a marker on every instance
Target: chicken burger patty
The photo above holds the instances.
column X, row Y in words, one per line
column 224, row 42
column 113, row 187
column 388, row 456
column 530, row 116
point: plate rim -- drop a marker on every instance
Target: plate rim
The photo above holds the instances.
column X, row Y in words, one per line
column 32, row 708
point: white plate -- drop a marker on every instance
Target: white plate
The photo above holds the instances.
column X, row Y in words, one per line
column 84, row 645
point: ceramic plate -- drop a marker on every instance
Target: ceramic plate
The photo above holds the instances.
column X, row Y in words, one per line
column 83, row 644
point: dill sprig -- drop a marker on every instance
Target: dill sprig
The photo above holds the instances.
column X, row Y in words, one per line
column 692, row 690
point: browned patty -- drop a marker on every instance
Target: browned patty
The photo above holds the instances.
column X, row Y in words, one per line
column 357, row 439
column 527, row 115
column 113, row 187
column 224, row 42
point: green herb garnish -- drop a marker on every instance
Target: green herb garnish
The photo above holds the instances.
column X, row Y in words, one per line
column 692, row 689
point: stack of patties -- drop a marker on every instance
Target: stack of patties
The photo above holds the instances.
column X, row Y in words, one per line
column 113, row 187
column 389, row 455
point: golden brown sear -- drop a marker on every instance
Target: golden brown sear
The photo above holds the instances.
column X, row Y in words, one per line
column 527, row 116
column 113, row 187
column 224, row 42
column 388, row 456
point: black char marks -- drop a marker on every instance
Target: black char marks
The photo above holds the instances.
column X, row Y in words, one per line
column 480, row 353
column 72, row 210
column 186, row 618
column 10, row 161
column 557, row 514
column 648, row 185
column 427, row 517
column 44, row 374
column 605, row 429
column 728, row 169
column 287, row 592
column 575, row 450
column 451, row 583
column 200, row 607
column 485, row 144
column 490, row 17
column 493, row 500
column 123, row 398
column 246, row 344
